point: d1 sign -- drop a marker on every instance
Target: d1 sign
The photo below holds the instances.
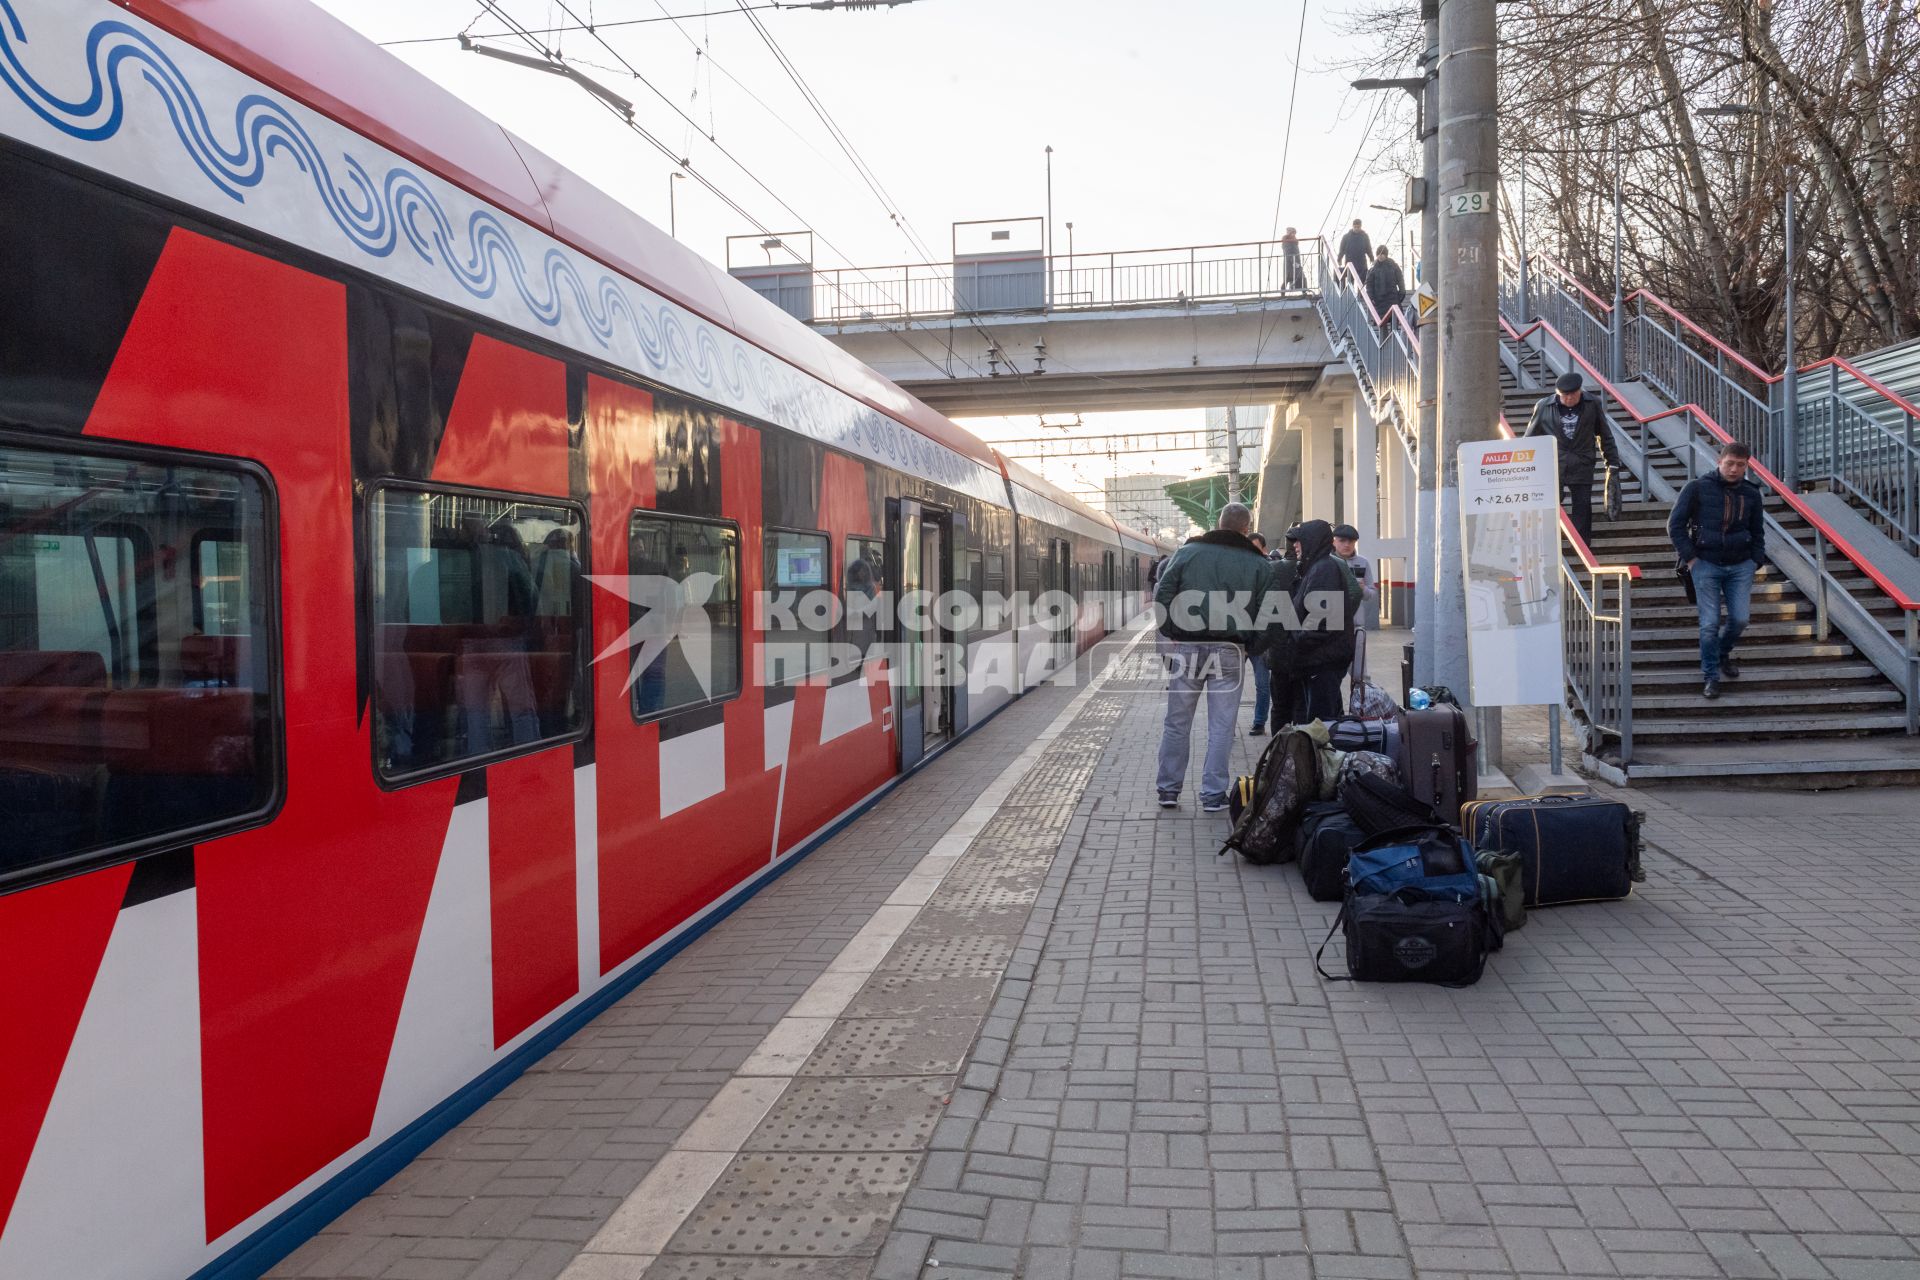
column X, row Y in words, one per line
column 1510, row 542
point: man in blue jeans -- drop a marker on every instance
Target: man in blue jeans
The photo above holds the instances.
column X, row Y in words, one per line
column 1718, row 527
column 1208, row 595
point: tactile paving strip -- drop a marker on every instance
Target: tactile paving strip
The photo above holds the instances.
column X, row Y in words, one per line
column 922, row 1046
column 799, row 1202
column 706, row 1266
column 962, row 957
column 902, row 995
column 894, row 1113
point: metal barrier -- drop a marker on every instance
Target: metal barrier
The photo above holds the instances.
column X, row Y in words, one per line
column 1597, row 626
column 1698, row 427
column 1383, row 352
column 1842, row 426
column 1255, row 270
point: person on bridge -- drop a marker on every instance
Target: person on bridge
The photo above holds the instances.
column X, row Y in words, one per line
column 1209, row 576
column 1386, row 287
column 1574, row 418
column 1356, row 249
column 1295, row 280
column 1719, row 530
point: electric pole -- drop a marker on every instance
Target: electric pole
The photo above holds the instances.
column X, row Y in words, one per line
column 1233, row 454
column 1469, row 330
column 1427, row 472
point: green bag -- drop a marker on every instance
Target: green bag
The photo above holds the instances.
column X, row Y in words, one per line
column 1509, row 896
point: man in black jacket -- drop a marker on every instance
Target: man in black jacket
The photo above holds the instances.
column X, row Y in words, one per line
column 1573, row 417
column 1323, row 648
column 1718, row 527
column 1386, row 287
column 1356, row 248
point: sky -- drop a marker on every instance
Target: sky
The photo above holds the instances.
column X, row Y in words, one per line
column 1168, row 123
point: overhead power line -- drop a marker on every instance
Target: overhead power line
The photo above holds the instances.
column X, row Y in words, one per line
column 592, row 26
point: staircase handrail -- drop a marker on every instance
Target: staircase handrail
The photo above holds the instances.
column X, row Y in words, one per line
column 1718, row 433
column 1554, row 266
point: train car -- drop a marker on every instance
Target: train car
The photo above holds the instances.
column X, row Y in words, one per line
column 383, row 692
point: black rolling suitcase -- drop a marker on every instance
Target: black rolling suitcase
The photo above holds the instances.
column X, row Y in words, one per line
column 1571, row 848
column 1327, row 835
column 1438, row 758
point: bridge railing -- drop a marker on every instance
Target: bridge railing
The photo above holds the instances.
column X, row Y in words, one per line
column 1012, row 284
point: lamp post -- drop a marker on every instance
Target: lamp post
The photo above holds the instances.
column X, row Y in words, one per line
column 1615, row 353
column 1049, row 246
column 1790, row 377
column 1425, row 91
column 673, row 210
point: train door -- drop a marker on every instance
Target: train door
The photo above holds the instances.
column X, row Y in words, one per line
column 922, row 693
column 1067, row 638
column 1111, row 615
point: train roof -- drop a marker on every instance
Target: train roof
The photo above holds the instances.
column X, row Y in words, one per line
column 324, row 64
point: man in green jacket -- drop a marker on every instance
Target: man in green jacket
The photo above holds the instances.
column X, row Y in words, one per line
column 1208, row 595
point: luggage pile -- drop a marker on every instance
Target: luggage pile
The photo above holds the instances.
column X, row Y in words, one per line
column 1380, row 813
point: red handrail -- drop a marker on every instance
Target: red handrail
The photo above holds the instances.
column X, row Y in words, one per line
column 1573, row 280
column 1580, row 547
column 1838, row 362
column 1704, row 336
column 1792, row 499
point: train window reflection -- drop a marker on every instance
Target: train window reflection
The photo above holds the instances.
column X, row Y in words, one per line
column 125, row 722
column 800, row 617
column 685, row 611
column 478, row 602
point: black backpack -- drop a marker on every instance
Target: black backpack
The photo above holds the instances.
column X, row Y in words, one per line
column 1285, row 781
column 1377, row 805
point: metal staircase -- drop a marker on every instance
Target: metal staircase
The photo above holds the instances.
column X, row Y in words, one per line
column 1810, row 707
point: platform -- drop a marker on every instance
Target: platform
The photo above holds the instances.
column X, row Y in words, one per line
column 1017, row 1020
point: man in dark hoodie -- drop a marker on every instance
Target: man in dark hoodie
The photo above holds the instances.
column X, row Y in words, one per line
column 1213, row 582
column 1323, row 647
column 1574, row 418
column 1356, row 250
column 1718, row 527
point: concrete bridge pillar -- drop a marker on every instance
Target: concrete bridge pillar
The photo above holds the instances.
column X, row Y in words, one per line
column 1392, row 550
column 1318, row 420
column 1278, row 506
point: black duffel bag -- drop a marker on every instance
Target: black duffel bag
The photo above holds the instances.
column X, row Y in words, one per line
column 1327, row 835
column 1407, row 937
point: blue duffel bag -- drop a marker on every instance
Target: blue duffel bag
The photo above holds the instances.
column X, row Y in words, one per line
column 1430, row 859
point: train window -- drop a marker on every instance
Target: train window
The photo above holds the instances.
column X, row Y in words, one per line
column 125, row 723
column 687, row 610
column 220, row 580
column 799, row 574
column 479, row 628
column 866, row 584
column 996, row 573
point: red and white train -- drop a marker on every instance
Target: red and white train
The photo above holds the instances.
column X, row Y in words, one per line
column 321, row 396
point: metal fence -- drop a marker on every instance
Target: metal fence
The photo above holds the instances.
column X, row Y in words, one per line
column 1066, row 282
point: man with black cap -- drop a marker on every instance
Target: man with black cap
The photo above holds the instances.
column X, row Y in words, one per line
column 1346, row 546
column 1574, row 418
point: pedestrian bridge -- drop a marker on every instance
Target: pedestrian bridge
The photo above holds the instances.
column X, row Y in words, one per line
column 1025, row 332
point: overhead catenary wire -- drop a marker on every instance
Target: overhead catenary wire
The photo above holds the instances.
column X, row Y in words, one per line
column 685, row 163
column 560, row 29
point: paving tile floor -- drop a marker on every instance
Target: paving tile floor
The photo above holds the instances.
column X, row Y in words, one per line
column 1714, row 1078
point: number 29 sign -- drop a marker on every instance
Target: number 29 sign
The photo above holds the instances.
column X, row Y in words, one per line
column 1464, row 202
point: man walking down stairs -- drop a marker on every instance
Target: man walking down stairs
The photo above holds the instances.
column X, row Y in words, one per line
column 1720, row 534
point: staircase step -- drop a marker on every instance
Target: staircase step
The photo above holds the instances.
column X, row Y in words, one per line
column 1755, row 674
column 1655, row 614
column 1771, row 725
column 1734, row 695
column 1681, row 655
column 1654, row 636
